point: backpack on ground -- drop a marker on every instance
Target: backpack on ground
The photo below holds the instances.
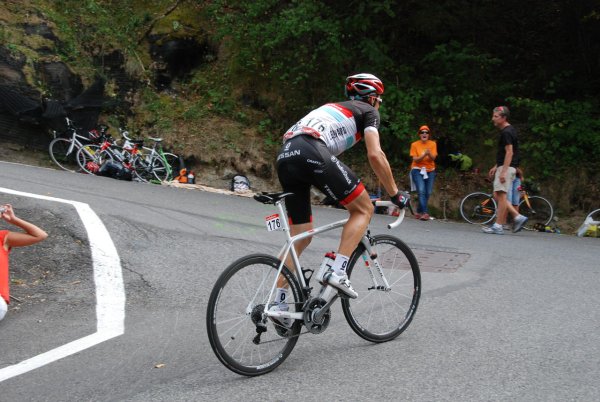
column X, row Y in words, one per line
column 115, row 170
column 239, row 183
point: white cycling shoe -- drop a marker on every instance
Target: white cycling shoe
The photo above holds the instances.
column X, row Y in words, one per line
column 341, row 283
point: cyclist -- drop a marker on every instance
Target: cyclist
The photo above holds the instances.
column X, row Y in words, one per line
column 309, row 157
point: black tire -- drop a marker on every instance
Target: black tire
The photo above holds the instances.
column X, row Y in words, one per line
column 91, row 153
column 236, row 302
column 150, row 170
column 64, row 154
column 541, row 211
column 377, row 314
column 478, row 208
column 173, row 161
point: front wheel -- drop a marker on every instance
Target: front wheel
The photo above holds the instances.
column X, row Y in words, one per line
column 537, row 210
column 243, row 338
column 388, row 283
column 478, row 208
column 91, row 157
column 153, row 169
column 63, row 152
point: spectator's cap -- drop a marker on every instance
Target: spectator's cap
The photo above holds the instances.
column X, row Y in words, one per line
column 503, row 110
column 425, row 129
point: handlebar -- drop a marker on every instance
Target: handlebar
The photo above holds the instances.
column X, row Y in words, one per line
column 401, row 213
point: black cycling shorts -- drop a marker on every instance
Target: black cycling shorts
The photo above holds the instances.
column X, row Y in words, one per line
column 304, row 161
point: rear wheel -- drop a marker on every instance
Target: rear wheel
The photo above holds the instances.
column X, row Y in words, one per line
column 538, row 210
column 243, row 338
column 478, row 208
column 91, row 157
column 154, row 169
column 384, row 308
column 64, row 153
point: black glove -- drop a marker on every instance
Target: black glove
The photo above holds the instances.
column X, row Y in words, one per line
column 401, row 199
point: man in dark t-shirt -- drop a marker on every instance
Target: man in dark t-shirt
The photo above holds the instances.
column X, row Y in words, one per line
column 503, row 172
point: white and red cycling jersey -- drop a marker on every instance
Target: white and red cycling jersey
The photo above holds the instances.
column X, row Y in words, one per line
column 340, row 125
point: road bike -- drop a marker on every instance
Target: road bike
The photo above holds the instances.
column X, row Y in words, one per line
column 247, row 336
column 480, row 208
column 64, row 147
column 146, row 167
column 592, row 219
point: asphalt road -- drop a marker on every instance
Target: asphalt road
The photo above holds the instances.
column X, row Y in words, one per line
column 513, row 317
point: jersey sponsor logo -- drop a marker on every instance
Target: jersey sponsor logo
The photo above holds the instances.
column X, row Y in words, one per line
column 284, row 155
column 344, row 172
column 287, row 146
column 313, row 162
column 329, row 192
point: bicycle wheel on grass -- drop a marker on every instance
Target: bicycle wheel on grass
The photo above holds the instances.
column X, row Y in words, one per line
column 539, row 210
column 478, row 208
column 150, row 170
column 235, row 307
column 91, row 154
column 379, row 314
column 63, row 152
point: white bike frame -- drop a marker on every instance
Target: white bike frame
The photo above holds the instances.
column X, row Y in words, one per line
column 289, row 249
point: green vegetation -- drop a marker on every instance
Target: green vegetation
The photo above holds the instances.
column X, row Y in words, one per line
column 444, row 63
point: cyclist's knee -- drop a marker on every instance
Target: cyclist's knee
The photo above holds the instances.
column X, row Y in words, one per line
column 361, row 205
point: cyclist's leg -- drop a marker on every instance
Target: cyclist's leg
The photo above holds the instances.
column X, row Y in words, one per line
column 361, row 211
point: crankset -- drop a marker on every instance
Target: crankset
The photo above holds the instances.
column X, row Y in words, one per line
column 317, row 315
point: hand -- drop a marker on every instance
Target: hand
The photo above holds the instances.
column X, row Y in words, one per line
column 401, row 199
column 6, row 212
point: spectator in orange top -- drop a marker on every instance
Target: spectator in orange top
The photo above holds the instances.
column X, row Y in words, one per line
column 422, row 170
column 31, row 234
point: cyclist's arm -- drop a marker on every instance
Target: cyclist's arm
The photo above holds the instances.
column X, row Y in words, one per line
column 378, row 161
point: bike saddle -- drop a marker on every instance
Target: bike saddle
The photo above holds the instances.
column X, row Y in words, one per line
column 270, row 198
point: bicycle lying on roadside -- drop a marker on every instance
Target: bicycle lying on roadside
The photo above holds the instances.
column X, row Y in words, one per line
column 152, row 165
column 592, row 219
column 248, row 337
column 480, row 208
column 64, row 147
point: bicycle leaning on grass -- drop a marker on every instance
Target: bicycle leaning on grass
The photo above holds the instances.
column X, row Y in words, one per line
column 480, row 208
column 592, row 219
column 64, row 147
column 247, row 334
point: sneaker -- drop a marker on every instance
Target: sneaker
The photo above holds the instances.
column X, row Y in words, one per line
column 425, row 217
column 493, row 230
column 283, row 324
column 519, row 222
column 417, row 216
column 341, row 283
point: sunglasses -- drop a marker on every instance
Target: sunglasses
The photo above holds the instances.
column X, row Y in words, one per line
column 424, row 132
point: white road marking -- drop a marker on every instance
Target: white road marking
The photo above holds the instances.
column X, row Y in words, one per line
column 110, row 291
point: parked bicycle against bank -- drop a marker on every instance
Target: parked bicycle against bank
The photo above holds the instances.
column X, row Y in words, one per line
column 246, row 334
column 64, row 147
column 152, row 165
column 480, row 208
column 591, row 220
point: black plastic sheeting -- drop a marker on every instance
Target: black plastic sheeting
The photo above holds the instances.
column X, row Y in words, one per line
column 20, row 116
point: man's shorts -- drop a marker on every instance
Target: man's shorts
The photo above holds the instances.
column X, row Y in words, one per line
column 510, row 177
column 305, row 161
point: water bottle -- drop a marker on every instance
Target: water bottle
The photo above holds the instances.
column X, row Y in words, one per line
column 325, row 265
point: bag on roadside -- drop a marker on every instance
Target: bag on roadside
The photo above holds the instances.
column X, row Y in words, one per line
column 240, row 183
column 115, row 170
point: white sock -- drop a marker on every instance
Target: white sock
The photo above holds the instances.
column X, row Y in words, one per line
column 340, row 264
column 282, row 298
column 3, row 308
